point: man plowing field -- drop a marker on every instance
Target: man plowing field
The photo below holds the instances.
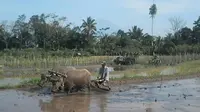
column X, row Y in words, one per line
column 71, row 81
column 104, row 74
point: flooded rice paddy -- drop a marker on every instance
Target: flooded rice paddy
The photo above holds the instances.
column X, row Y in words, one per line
column 171, row 96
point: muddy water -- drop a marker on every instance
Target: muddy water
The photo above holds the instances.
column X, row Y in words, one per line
column 173, row 96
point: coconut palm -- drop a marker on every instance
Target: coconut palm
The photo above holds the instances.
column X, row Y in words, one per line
column 135, row 33
column 89, row 27
column 152, row 12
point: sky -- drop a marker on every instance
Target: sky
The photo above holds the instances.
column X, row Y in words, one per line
column 117, row 14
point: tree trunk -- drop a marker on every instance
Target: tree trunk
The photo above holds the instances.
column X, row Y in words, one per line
column 6, row 42
column 152, row 35
column 152, row 26
column 20, row 40
column 6, row 45
column 58, row 42
column 44, row 43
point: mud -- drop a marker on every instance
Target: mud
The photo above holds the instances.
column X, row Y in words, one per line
column 170, row 96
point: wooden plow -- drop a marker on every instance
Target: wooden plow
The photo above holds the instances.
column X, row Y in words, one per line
column 98, row 84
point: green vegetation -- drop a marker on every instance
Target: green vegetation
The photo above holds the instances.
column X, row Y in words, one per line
column 182, row 69
column 31, row 82
column 26, row 83
column 26, row 66
column 150, row 73
column 7, row 87
column 36, row 66
column 21, row 76
column 51, row 35
column 33, row 45
column 15, row 62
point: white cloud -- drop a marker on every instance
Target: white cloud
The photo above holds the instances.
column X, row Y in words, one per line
column 163, row 6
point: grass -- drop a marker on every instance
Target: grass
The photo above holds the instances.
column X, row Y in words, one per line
column 21, row 62
column 34, row 64
column 26, row 83
column 19, row 76
column 31, row 82
column 184, row 65
column 25, row 66
column 189, row 67
column 7, row 86
column 182, row 69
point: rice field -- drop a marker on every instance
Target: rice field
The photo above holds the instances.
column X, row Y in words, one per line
column 18, row 65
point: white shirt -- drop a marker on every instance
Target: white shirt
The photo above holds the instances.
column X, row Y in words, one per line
column 105, row 70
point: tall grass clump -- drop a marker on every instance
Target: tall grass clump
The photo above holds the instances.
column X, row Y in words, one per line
column 1, row 69
column 32, row 81
column 191, row 67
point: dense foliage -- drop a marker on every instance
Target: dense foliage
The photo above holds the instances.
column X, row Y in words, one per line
column 49, row 32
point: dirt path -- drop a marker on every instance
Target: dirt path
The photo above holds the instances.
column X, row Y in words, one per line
column 176, row 95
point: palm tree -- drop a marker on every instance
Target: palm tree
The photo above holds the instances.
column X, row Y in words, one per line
column 135, row 33
column 89, row 27
column 121, row 33
column 152, row 12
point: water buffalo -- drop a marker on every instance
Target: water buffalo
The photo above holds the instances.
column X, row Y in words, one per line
column 76, row 78
column 56, row 80
column 43, row 79
column 64, row 69
column 58, row 84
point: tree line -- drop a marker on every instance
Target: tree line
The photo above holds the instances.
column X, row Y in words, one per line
column 50, row 32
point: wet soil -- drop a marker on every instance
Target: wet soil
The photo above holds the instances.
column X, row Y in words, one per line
column 170, row 96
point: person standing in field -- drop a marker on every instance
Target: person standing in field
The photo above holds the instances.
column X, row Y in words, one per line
column 104, row 73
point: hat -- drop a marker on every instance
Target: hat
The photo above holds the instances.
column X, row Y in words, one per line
column 103, row 63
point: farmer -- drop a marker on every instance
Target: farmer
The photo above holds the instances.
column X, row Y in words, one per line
column 104, row 73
